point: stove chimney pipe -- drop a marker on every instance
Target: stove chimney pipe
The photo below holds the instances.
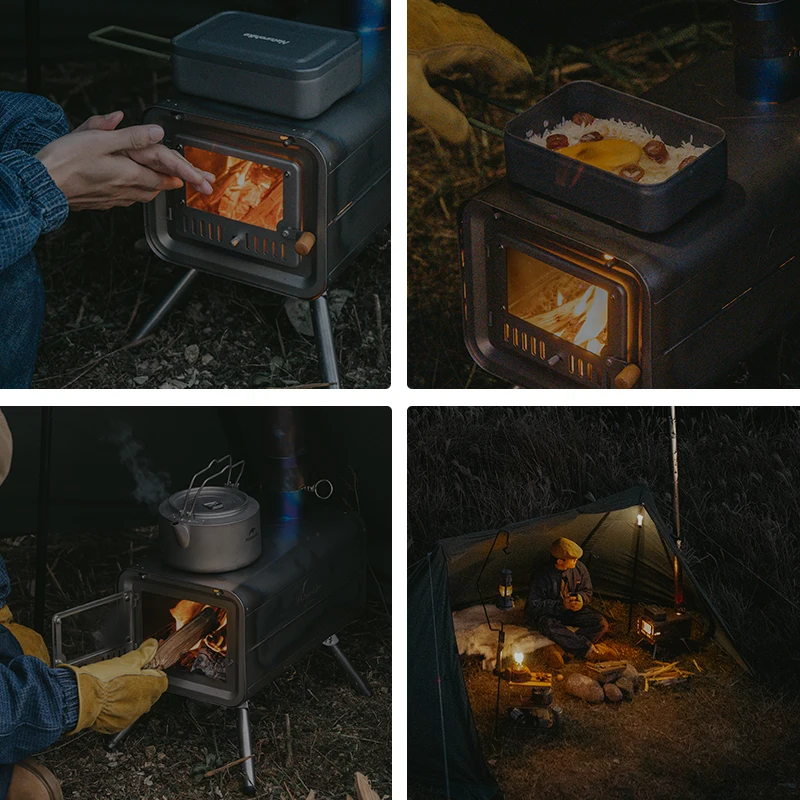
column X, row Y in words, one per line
column 765, row 39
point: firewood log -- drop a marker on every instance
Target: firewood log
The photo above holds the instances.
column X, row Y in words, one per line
column 177, row 644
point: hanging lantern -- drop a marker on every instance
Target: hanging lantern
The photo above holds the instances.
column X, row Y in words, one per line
column 506, row 591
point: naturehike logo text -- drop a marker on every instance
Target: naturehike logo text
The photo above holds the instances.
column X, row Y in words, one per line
column 265, row 38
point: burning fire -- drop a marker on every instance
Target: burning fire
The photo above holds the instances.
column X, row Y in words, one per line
column 217, row 640
column 554, row 301
column 243, row 190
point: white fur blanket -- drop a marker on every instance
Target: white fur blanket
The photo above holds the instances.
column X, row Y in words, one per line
column 474, row 637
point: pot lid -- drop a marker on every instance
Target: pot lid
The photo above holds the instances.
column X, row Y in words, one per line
column 214, row 502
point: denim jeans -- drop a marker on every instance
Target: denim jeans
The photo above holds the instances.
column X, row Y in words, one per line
column 30, row 205
column 37, row 703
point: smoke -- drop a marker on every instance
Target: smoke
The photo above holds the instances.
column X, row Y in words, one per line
column 151, row 486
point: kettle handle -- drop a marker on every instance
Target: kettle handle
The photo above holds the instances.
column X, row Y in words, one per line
column 181, row 534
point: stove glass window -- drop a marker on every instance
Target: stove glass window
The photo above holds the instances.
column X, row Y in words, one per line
column 555, row 301
column 208, row 655
column 243, row 190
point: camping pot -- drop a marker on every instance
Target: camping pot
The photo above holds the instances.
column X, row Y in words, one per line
column 765, row 44
column 210, row 528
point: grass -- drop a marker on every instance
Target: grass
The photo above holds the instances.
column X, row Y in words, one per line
column 101, row 282
column 442, row 177
column 472, row 469
column 334, row 731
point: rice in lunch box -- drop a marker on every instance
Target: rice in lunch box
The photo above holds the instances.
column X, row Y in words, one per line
column 627, row 131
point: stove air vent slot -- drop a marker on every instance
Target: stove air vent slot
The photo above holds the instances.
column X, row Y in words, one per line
column 275, row 251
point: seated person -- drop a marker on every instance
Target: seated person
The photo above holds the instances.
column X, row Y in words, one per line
column 559, row 597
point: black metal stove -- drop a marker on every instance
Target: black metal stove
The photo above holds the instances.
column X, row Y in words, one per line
column 308, row 583
column 294, row 203
column 670, row 310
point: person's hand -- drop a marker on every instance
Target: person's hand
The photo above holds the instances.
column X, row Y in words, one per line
column 157, row 157
column 115, row 693
column 98, row 168
column 573, row 603
column 442, row 41
column 29, row 640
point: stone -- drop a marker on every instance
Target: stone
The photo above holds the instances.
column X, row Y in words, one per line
column 192, row 353
column 627, row 687
column 587, row 689
column 633, row 674
column 613, row 693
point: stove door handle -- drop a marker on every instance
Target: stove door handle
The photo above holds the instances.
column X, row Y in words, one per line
column 305, row 243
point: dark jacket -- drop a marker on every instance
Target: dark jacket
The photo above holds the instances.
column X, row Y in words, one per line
column 544, row 596
column 37, row 703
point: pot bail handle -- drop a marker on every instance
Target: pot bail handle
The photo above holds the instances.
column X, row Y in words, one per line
column 230, row 481
column 214, row 462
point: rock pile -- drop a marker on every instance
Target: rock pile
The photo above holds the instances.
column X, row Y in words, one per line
column 611, row 681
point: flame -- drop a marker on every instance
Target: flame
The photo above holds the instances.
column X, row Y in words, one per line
column 243, row 190
column 581, row 319
column 555, row 301
column 186, row 610
column 518, row 658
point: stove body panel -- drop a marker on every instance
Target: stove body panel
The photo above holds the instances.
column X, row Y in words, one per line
column 309, row 582
column 337, row 169
column 713, row 287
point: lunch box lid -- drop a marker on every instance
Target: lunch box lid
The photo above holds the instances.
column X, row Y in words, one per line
column 267, row 45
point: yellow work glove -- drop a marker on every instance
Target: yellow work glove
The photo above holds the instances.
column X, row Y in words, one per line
column 442, row 41
column 115, row 693
column 31, row 642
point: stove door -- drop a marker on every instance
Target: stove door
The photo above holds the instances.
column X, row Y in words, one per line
column 254, row 208
column 95, row 631
column 541, row 309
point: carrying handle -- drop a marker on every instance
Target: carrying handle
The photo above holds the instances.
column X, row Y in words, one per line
column 100, row 36
column 226, row 460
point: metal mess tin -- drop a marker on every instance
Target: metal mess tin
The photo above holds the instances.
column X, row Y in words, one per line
column 648, row 208
column 287, row 68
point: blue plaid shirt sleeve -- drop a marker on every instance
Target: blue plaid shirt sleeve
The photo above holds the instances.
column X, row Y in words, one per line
column 37, row 703
column 30, row 202
column 29, row 122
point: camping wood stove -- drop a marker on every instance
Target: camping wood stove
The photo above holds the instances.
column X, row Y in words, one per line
column 661, row 626
column 556, row 298
column 295, row 201
column 307, row 584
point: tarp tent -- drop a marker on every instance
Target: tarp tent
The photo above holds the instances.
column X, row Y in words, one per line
column 628, row 562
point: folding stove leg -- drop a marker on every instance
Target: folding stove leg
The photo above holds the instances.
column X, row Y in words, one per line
column 333, row 643
column 167, row 304
column 323, row 333
column 246, row 748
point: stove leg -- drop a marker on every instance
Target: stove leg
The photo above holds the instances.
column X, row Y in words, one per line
column 115, row 741
column 323, row 333
column 246, row 748
column 333, row 643
column 167, row 304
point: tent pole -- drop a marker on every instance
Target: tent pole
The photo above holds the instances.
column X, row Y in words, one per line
column 439, row 684
column 635, row 570
column 676, row 569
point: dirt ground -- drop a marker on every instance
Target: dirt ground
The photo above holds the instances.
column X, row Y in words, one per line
column 101, row 282
column 334, row 731
column 441, row 177
column 728, row 736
